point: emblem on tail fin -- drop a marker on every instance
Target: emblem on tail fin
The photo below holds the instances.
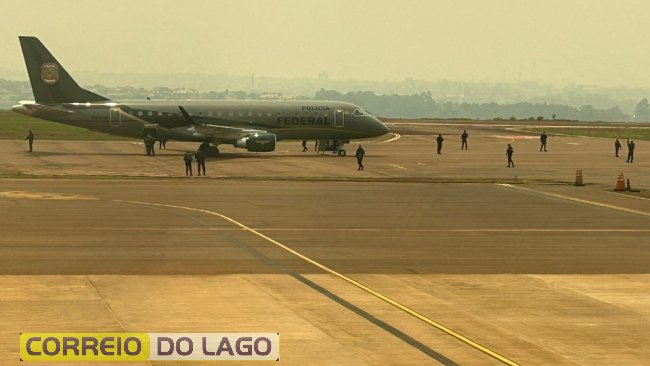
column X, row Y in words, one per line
column 50, row 73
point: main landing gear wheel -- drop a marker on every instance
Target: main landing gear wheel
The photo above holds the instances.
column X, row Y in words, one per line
column 213, row 152
column 209, row 150
column 341, row 152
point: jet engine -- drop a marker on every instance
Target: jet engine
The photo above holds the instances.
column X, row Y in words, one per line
column 258, row 142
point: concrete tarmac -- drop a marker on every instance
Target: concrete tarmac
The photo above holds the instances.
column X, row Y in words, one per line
column 549, row 274
column 410, row 157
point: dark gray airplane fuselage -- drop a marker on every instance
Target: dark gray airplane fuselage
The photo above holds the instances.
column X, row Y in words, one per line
column 288, row 120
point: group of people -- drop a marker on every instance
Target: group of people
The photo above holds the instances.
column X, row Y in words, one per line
column 630, row 149
column 360, row 153
column 542, row 139
column 150, row 143
column 199, row 155
column 463, row 141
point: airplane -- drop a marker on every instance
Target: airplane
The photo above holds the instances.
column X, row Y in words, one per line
column 253, row 125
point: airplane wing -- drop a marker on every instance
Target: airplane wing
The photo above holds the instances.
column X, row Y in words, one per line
column 218, row 132
column 224, row 132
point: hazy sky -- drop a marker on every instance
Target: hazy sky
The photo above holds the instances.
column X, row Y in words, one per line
column 599, row 42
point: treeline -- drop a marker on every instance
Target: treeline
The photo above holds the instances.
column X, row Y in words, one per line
column 423, row 105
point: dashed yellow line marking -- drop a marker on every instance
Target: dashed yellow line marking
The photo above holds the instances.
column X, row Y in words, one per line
column 397, row 166
column 574, row 199
column 45, row 196
column 353, row 282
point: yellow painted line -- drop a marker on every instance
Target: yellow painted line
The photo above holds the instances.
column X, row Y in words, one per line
column 524, row 230
column 365, row 288
column 396, row 166
column 574, row 199
column 470, row 230
column 396, row 136
column 82, row 228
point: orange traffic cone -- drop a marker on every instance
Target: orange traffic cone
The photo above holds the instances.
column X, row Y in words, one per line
column 620, row 183
column 579, row 182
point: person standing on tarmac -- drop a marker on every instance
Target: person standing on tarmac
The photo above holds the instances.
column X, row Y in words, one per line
column 148, row 145
column 542, row 139
column 188, row 164
column 617, row 147
column 162, row 144
column 152, row 145
column 509, row 152
column 439, row 140
column 463, row 140
column 30, row 139
column 304, row 145
column 359, row 155
column 200, row 160
column 630, row 151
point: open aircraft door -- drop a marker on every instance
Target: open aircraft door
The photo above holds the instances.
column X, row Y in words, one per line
column 115, row 117
column 339, row 119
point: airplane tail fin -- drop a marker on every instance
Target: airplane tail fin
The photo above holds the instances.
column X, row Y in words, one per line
column 51, row 84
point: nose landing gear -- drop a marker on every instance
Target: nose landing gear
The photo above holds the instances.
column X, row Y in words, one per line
column 335, row 146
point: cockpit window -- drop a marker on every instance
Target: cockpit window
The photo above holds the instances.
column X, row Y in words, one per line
column 359, row 112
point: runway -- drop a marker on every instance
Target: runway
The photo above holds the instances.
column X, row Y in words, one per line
column 535, row 273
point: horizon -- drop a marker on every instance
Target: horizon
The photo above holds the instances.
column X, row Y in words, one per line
column 79, row 74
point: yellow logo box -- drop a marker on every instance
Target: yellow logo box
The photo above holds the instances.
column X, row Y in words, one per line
column 149, row 346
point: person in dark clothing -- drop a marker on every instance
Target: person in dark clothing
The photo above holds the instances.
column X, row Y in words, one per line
column 630, row 151
column 542, row 139
column 162, row 144
column 304, row 145
column 188, row 164
column 146, row 145
column 200, row 160
column 439, row 140
column 149, row 143
column 617, row 147
column 359, row 155
column 509, row 152
column 30, row 139
column 152, row 145
column 335, row 146
column 463, row 140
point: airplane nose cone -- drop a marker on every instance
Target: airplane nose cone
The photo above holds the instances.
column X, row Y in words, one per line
column 381, row 128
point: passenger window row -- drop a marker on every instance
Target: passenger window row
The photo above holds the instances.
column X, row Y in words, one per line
column 230, row 114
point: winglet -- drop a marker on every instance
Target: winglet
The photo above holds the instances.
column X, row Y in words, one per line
column 186, row 116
